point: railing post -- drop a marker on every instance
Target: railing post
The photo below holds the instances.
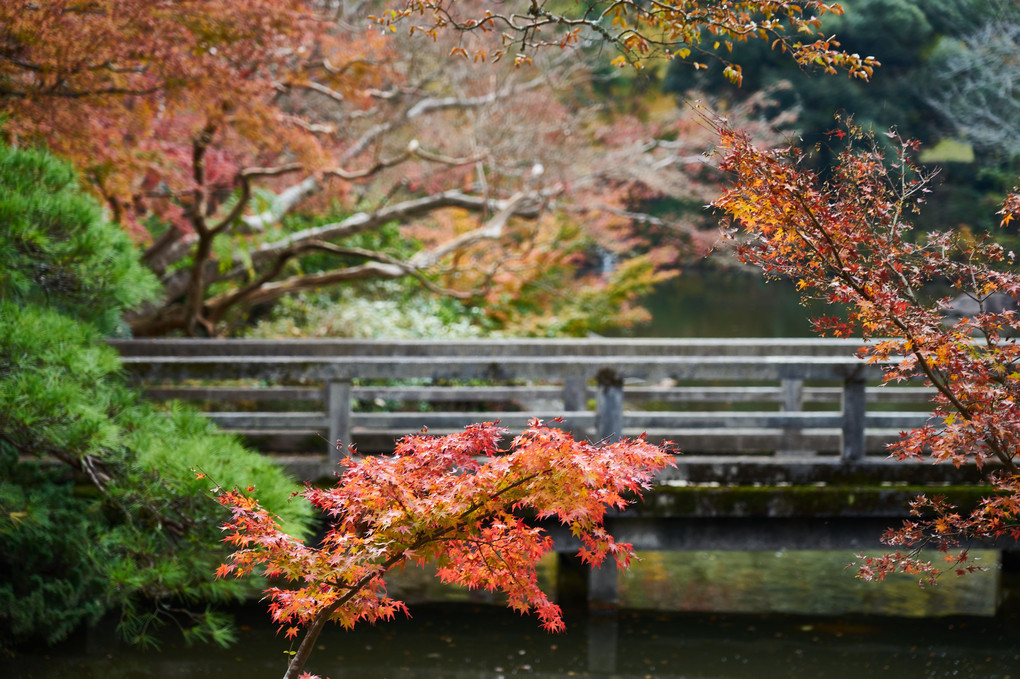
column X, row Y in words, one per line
column 854, row 412
column 609, row 406
column 338, row 415
column 791, row 401
column 575, row 399
column 792, row 394
column 575, row 393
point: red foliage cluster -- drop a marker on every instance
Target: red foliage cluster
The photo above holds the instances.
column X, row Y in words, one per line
column 458, row 501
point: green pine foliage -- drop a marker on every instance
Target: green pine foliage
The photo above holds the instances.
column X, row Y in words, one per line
column 100, row 511
column 56, row 250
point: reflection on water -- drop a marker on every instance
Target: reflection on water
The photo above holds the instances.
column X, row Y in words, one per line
column 798, row 582
column 463, row 639
column 459, row 640
column 817, row 582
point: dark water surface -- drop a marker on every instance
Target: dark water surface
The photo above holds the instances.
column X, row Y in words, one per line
column 463, row 640
column 823, row 623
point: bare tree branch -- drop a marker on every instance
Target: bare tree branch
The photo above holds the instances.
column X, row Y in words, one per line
column 364, row 221
column 284, row 202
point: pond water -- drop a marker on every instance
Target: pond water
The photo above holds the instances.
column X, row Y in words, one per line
column 461, row 640
column 819, row 631
column 713, row 302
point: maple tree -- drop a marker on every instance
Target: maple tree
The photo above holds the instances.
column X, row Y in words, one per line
column 849, row 240
column 204, row 126
column 457, row 500
column 97, row 81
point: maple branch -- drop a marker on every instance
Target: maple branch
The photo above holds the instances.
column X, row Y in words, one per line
column 276, row 254
column 284, row 202
column 263, row 289
column 293, row 195
column 828, row 254
column 429, row 105
column 462, row 521
column 318, row 88
column 340, row 70
column 492, row 230
column 937, row 380
column 642, row 30
column 509, row 570
column 307, row 645
column 160, row 254
column 502, row 491
column 361, row 222
column 396, row 498
column 840, row 270
column 824, row 233
column 199, row 207
column 378, row 166
column 236, row 211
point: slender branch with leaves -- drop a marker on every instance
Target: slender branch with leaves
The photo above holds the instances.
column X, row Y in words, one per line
column 847, row 240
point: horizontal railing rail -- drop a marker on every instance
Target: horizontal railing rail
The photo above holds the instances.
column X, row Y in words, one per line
column 490, row 347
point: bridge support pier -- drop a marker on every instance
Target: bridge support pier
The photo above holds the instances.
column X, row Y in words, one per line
column 578, row 585
column 1009, row 561
column 603, row 586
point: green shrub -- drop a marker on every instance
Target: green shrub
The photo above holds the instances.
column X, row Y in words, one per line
column 100, row 511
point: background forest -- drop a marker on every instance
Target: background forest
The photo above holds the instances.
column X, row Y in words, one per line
column 258, row 169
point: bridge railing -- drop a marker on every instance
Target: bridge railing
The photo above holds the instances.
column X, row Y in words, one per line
column 716, row 397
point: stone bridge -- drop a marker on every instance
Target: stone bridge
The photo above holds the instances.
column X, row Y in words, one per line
column 782, row 441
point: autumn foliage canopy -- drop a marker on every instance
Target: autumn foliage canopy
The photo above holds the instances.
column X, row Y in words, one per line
column 459, row 501
column 258, row 150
